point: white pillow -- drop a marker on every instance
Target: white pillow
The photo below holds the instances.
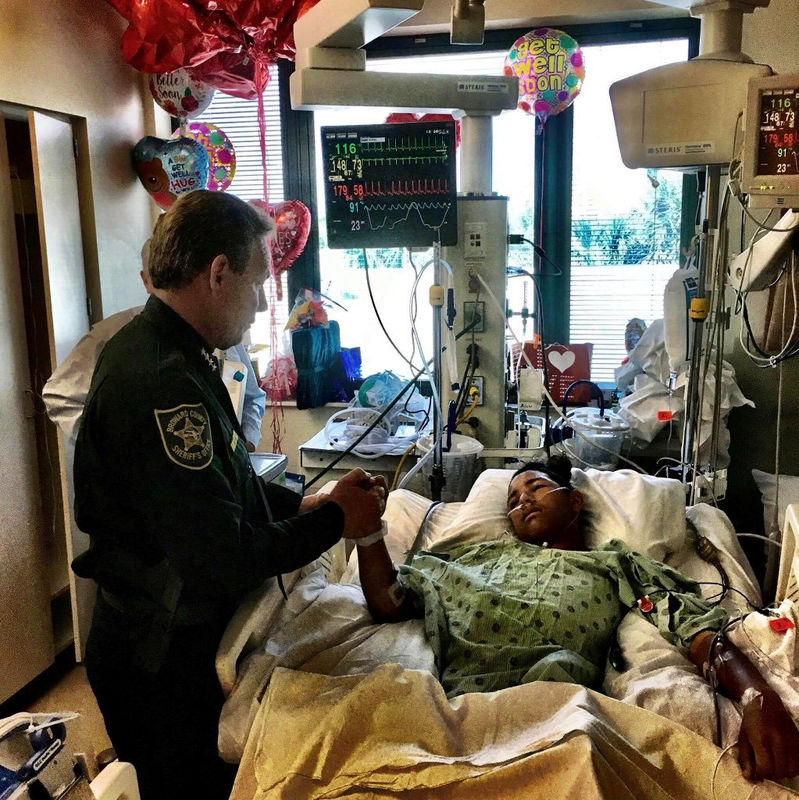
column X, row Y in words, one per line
column 788, row 493
column 645, row 512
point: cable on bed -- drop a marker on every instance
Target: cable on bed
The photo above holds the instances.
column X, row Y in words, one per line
column 710, row 554
column 420, row 533
column 716, row 768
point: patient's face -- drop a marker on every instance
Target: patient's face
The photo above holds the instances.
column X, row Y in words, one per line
column 539, row 509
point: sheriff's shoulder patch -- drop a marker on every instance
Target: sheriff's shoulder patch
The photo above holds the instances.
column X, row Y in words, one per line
column 186, row 433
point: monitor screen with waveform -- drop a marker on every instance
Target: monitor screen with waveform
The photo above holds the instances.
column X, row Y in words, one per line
column 390, row 185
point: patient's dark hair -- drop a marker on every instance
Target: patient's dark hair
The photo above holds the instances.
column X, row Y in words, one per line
column 558, row 468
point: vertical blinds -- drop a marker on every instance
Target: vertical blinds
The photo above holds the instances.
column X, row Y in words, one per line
column 238, row 119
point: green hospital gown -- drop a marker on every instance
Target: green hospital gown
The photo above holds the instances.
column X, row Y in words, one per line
column 502, row 613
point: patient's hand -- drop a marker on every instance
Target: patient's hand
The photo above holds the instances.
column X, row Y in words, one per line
column 768, row 744
column 362, row 498
column 312, row 501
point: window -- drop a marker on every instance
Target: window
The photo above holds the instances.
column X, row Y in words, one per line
column 239, row 120
column 392, row 271
column 625, row 224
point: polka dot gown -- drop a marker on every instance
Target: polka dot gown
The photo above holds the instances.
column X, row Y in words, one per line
column 503, row 613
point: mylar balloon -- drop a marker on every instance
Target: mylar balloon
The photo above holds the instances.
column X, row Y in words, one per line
column 181, row 95
column 549, row 66
column 221, row 155
column 293, row 221
column 228, row 44
column 402, row 116
column 168, row 168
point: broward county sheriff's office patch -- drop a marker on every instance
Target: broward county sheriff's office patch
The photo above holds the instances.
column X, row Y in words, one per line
column 186, row 433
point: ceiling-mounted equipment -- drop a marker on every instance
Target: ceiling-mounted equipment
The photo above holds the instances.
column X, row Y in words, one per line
column 688, row 114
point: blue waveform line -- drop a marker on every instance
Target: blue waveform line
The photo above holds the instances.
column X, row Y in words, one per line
column 407, row 207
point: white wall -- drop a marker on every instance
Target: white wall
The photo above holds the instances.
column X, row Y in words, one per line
column 770, row 35
column 65, row 57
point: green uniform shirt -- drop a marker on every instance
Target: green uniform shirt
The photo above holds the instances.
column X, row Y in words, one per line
column 162, row 472
column 503, row 613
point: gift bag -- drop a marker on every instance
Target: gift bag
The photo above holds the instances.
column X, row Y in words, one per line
column 566, row 363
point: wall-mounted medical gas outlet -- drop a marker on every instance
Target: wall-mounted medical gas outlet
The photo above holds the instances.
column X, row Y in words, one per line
column 474, row 240
column 477, row 383
column 485, row 219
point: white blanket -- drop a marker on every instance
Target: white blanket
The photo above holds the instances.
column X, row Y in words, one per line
column 393, row 733
column 327, row 629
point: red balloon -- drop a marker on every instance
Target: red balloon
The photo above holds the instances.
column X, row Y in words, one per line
column 228, row 44
column 404, row 116
column 293, row 224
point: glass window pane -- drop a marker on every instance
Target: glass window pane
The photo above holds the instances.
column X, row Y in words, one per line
column 625, row 223
column 391, row 273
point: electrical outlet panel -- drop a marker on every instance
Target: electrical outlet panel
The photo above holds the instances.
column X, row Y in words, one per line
column 474, row 240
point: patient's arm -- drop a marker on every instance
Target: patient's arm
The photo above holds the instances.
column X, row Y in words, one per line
column 387, row 599
column 768, row 744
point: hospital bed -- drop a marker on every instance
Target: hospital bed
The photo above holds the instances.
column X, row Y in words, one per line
column 327, row 703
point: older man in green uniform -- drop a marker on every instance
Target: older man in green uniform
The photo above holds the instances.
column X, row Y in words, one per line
column 181, row 527
column 537, row 605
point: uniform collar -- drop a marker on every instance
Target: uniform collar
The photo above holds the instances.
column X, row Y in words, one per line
column 172, row 326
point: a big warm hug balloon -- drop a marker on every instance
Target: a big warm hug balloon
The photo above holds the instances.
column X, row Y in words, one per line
column 168, row 168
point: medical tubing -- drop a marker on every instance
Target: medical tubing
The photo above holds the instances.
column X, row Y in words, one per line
column 418, row 341
column 449, row 352
column 397, row 471
column 775, row 517
column 716, row 768
column 541, row 331
column 546, row 390
column 773, row 542
column 371, row 450
column 407, row 360
column 385, row 411
column 382, row 414
column 418, row 465
column 417, row 540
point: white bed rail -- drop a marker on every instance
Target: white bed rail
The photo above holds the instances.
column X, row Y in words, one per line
column 788, row 580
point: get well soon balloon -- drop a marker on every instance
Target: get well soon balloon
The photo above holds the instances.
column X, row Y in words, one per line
column 221, row 155
column 179, row 94
column 550, row 68
column 169, row 168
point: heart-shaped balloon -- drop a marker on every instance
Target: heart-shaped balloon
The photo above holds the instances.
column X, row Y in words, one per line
column 293, row 222
column 168, row 168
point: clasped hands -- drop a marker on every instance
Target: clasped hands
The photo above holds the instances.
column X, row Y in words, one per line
column 362, row 498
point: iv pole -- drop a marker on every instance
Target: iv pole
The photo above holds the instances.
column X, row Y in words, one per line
column 720, row 37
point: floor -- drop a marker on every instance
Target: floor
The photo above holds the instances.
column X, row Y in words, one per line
column 71, row 692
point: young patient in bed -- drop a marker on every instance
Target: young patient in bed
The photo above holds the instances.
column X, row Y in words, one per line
column 538, row 605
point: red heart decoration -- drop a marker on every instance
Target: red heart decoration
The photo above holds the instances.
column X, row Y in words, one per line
column 293, row 221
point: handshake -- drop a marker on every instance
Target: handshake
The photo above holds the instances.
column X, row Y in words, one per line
column 362, row 498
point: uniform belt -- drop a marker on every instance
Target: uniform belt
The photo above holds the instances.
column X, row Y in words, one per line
column 185, row 614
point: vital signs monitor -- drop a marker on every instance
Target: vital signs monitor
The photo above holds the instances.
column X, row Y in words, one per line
column 770, row 156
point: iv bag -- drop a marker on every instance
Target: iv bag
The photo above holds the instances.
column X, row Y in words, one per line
column 682, row 287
